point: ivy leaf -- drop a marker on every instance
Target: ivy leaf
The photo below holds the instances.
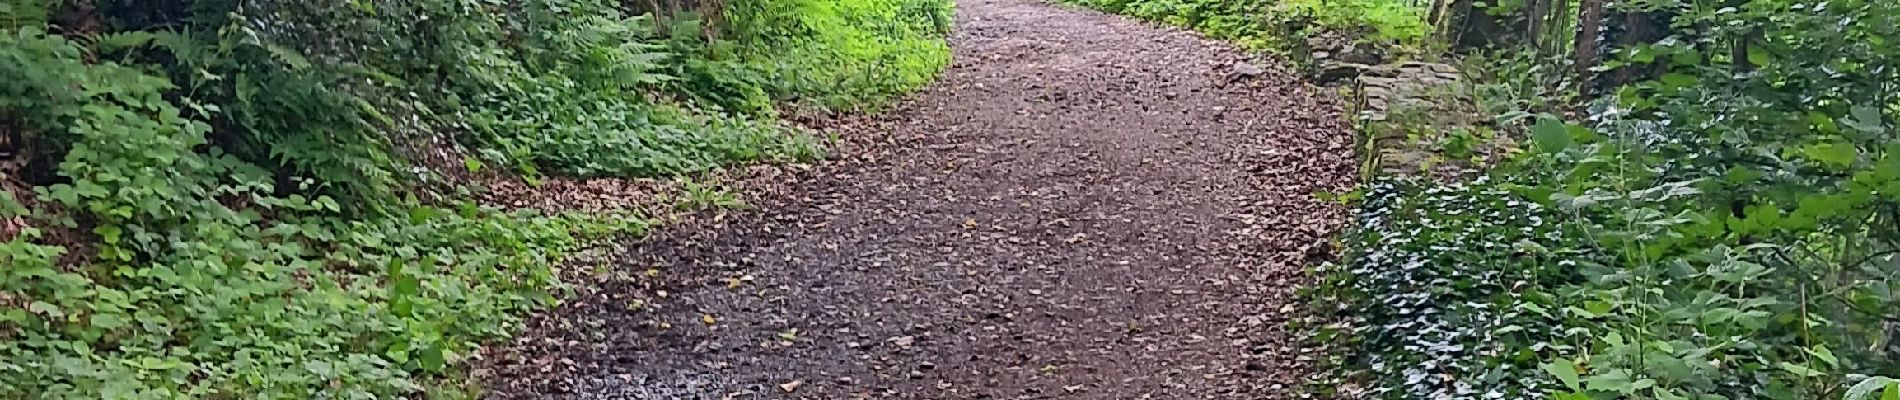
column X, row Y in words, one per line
column 431, row 359
column 9, row 206
column 108, row 321
column 1551, row 135
column 1565, row 370
column 45, row 308
column 111, row 234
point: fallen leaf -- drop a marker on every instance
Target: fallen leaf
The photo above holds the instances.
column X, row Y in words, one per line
column 788, row 387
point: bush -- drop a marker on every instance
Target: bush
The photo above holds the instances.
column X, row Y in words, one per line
column 230, row 215
column 840, row 54
column 1721, row 227
column 1283, row 25
column 200, row 282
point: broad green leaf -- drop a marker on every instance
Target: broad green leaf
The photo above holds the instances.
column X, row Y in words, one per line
column 1821, row 352
column 1836, row 154
column 45, row 308
column 1666, row 394
column 1615, row 380
column 1565, row 371
column 108, row 321
column 1867, row 120
column 10, row 207
column 1864, row 390
column 431, row 359
column 1644, row 383
column 1679, row 80
column 1550, row 135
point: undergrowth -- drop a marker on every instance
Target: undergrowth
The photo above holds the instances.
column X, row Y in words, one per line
column 1283, row 25
column 229, row 208
column 1723, row 228
column 843, row 54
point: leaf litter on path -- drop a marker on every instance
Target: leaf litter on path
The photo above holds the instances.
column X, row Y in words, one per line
column 1082, row 207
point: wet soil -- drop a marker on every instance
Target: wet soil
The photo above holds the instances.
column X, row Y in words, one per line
column 1082, row 207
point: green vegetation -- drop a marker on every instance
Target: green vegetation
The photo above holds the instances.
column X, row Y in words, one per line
column 226, row 199
column 1283, row 25
column 1709, row 213
column 836, row 54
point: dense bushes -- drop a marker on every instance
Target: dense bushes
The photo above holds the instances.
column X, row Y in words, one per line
column 214, row 199
column 839, row 53
column 1719, row 224
column 1284, row 25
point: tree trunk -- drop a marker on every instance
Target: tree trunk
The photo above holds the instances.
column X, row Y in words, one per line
column 1558, row 26
column 1437, row 11
column 1479, row 29
column 1739, row 51
column 1589, row 32
column 1533, row 22
column 1457, row 14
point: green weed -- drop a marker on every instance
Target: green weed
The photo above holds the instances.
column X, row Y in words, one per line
column 232, row 215
column 1722, row 228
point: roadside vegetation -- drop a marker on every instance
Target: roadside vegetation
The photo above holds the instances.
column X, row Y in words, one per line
column 1286, row 26
column 1677, row 199
column 270, row 199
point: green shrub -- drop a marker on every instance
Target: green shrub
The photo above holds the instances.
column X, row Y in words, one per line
column 839, row 54
column 200, row 282
column 1721, row 227
column 230, row 216
column 1283, row 25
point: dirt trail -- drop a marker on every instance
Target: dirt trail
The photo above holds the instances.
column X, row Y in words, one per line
column 1083, row 207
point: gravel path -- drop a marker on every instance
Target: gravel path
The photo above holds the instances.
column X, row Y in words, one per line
column 1083, row 207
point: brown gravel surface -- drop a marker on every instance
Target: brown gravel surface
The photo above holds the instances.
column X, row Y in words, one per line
column 1083, row 207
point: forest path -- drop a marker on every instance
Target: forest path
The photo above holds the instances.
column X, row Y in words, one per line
column 1082, row 207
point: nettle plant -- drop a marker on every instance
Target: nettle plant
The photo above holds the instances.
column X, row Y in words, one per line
column 1744, row 224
